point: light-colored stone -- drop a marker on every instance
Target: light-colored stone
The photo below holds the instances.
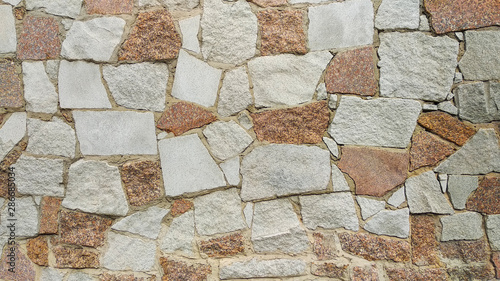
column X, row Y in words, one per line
column 245, row 121
column 8, row 37
column 187, row 166
column 51, row 138
column 307, row 1
column 145, row 223
column 180, row 5
column 12, row 2
column 218, row 212
column 333, row 102
column 321, row 93
column 12, row 131
column 144, row 3
column 179, row 235
column 248, row 212
column 39, row 176
column 334, row 210
column 51, row 274
column 377, row 122
column 429, row 107
column 52, row 68
column 226, row 139
column 26, row 215
column 139, row 85
column 115, row 132
column 80, row 276
column 392, row 223
column 460, row 187
column 94, row 39
column 463, row 226
column 460, row 36
column 394, row 14
column 332, row 146
column 339, row 182
column 263, row 268
column 286, row 79
column 477, row 102
column 126, row 253
column 161, row 135
column 397, row 198
column 369, row 207
column 424, row 24
column 235, row 93
column 448, row 107
column 39, row 93
column 67, row 23
column 424, row 195
column 284, row 169
column 231, row 169
column 341, row 25
column 443, row 182
column 95, row 187
column 459, row 78
column 68, row 8
column 493, row 231
column 481, row 60
column 416, row 66
column 189, row 29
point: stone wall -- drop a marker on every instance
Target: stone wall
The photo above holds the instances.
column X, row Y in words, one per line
column 287, row 140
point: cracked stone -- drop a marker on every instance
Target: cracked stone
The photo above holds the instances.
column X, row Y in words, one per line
column 39, row 92
column 182, row 117
column 282, row 32
column 146, row 223
column 446, row 126
column 122, row 253
column 51, row 138
column 142, row 181
column 226, row 139
column 372, row 247
column 463, row 226
column 424, row 195
column 330, row 211
column 427, row 150
column 235, row 93
column 180, row 235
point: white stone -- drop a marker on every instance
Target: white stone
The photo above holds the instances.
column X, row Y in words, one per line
column 481, row 60
column 39, row 176
column 187, row 166
column 26, row 215
column 189, row 29
column 245, row 121
column 218, row 212
column 138, row 85
column 203, row 89
column 229, row 31
column 248, row 212
column 463, row 226
column 460, row 36
column 12, row 2
column 397, row 198
column 332, row 103
column 263, row 268
column 276, row 227
column 68, row 8
column 12, row 131
column 51, row 274
column 284, row 169
column 235, row 93
column 180, row 5
column 67, row 23
column 339, row 182
column 321, row 93
column 416, row 66
column 115, row 132
column 80, row 86
column 95, row 187
column 51, row 138
column 80, row 276
column 458, row 79
column 332, row 146
column 231, row 169
column 143, row 3
column 394, row 14
column 477, row 102
column 8, row 37
column 424, row 24
column 460, row 187
column 392, row 223
column 39, row 93
column 377, row 122
column 226, row 139
column 334, row 210
column 286, row 79
column 341, row 25
column 161, row 135
column 37, row 199
column 179, row 236
column 493, row 231
column 94, row 39
column 429, row 107
column 448, row 107
column 369, row 207
column 443, row 182
column 307, row 1
column 52, row 68
column 424, row 195
column 126, row 253
column 145, row 223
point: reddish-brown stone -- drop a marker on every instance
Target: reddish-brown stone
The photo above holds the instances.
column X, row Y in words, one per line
column 49, row 212
column 282, row 32
column 182, row 117
column 495, row 258
column 466, row 251
column 142, row 181
column 125, row 277
column 19, row 12
column 38, row 250
column 434, row 274
column 109, row 7
column 472, row 272
column 423, row 240
column 83, row 229
column 10, row 159
column 373, row 247
column 11, row 94
column 451, row 15
column 324, row 246
column 427, row 150
column 486, row 198
column 75, row 258
column 365, row 273
column 446, row 126
column 329, row 269
column 305, row 124
column 39, row 39
column 375, row 171
column 180, row 206
column 269, row 3
column 352, row 72
column 153, row 37
column 177, row 270
column 224, row 246
column 24, row 269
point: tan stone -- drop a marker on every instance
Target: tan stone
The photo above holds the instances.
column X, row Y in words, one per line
column 83, row 229
column 109, row 7
column 181, row 206
column 486, row 198
column 428, row 150
column 38, row 250
column 466, row 251
column 124, row 277
column 282, row 32
column 182, row 117
column 398, row 274
column 365, row 273
column 373, row 247
column 142, row 181
column 10, row 85
column 269, row 3
column 446, row 126
column 423, row 240
column 177, row 270
column 49, row 215
column 224, row 246
column 329, row 269
column 75, row 258
column 324, row 246
column 495, row 258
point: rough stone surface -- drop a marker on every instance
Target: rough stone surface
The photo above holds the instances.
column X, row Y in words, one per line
column 248, row 213
column 423, row 240
column 142, row 181
column 235, row 93
column 123, row 253
column 448, row 107
column 463, row 226
column 224, row 246
column 49, row 214
column 459, row 188
column 472, row 272
column 109, row 7
column 38, row 250
column 177, row 270
column 83, row 229
column 12, row 131
column 182, row 117
column 394, row 14
column 24, row 269
column 329, row 211
column 39, row 39
column 51, row 274
column 26, row 215
column 181, row 5
column 8, row 36
column 39, row 176
column 180, row 235
column 226, row 139
column 269, row 3
column 11, row 94
column 397, row 198
column 430, row 74
column 331, row 270
column 427, row 150
column 80, row 276
column 255, row 268
column 332, row 146
column 339, row 182
column 466, row 251
column 189, row 29
column 125, row 277
column 180, row 206
column 231, row 169
column 436, row 274
column 39, row 92
column 284, row 169
column 146, row 223
column 372, row 247
column 51, row 138
column 493, row 232
column 321, row 93
column 391, row 223
column 477, row 103
column 481, row 58
column 67, row 8
column 486, row 199
column 66, row 257
column 424, row 195
column 496, row 262
column 365, row 273
column 324, row 246
column 282, row 32
column 369, row 207
column 446, row 126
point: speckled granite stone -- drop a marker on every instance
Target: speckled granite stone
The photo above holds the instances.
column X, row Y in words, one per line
column 324, row 246
column 282, row 32
column 125, row 277
column 224, row 246
column 38, row 250
column 365, row 273
column 109, row 7
column 398, row 274
column 11, row 158
column 495, row 258
column 269, row 3
column 329, row 269
column 49, row 208
column 177, row 270
column 66, row 257
column 427, row 150
column 10, row 85
column 446, row 126
column 142, row 181
column 423, row 240
column 182, row 117
column 486, row 198
column 466, row 251
column 181, row 206
column 83, row 229
column 472, row 272
column 24, row 270
column 372, row 247
column 39, row 39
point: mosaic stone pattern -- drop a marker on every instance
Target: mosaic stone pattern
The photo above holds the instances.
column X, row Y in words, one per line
column 182, row 117
column 39, row 39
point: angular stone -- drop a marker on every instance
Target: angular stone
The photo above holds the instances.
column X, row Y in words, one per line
column 83, row 229
column 39, row 176
column 122, row 253
column 177, row 270
column 118, row 132
column 321, row 93
column 476, row 102
column 231, row 169
column 472, row 272
column 11, row 94
column 12, row 131
column 481, row 58
column 39, row 92
column 224, row 246
column 8, row 37
column 424, row 195
column 459, row 188
column 38, row 250
column 180, row 206
column 24, row 269
column 466, row 251
column 26, row 215
column 245, row 121
column 226, row 139
column 299, row 125
column 463, row 226
column 182, row 117
column 394, row 14
column 486, row 199
column 365, row 273
column 125, row 277
column 180, row 235
column 255, row 268
column 11, row 158
column 190, row 28
column 235, row 93
column 390, row 222
column 339, row 182
column 75, row 258
column 145, row 223
column 51, row 138
column 248, row 213
column 80, row 276
column 430, row 74
column 397, row 198
column 423, row 241
column 109, row 7
column 448, row 107
column 427, row 150
column 51, row 274
column 269, row 3
column 435, row 274
column 187, row 166
column 369, row 207
column 68, row 8
column 181, row 5
column 332, row 146
column 330, row 211
column 39, row 39
column 284, row 169
column 331, row 26
column 286, row 79
column 49, row 213
column 372, row 247
column 324, row 246
column 446, row 126
column 329, row 269
column 493, row 231
column 282, row 32
column 95, row 187
column 496, row 262
column 142, row 181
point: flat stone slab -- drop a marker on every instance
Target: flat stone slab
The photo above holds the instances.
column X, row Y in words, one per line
column 109, row 7
column 39, row 176
column 255, row 268
column 182, row 117
column 460, row 187
column 446, row 126
column 11, row 94
column 189, row 29
column 369, row 207
column 477, row 102
column 8, row 37
column 39, row 39
column 486, row 198
column 481, row 59
column 179, row 236
column 122, row 253
column 66, row 8
column 142, row 181
column 39, row 92
column 146, row 223
column 282, row 32
column 226, row 139
column 330, row 211
column 393, row 14
column 55, row 137
column 180, row 5
column 12, row 131
column 235, row 93
column 372, row 247
column 392, row 223
column 83, row 229
column 493, row 231
column 427, row 150
column 339, row 183
column 463, row 226
column 397, row 198
column 231, row 169
column 424, row 195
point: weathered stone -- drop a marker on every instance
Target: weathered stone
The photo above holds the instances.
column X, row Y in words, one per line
column 397, row 198
column 284, row 169
column 8, row 37
column 480, row 61
column 448, row 107
column 26, row 215
column 38, row 250
column 427, row 150
column 181, row 5
column 231, row 169
column 39, row 92
column 24, row 269
column 369, row 207
column 180, row 235
column 39, row 176
column 459, row 188
column 282, row 32
column 226, row 139
column 142, row 181
column 463, row 226
column 125, row 277
column 75, row 258
column 476, row 102
column 189, row 29
column 446, row 126
column 245, row 121
column 423, row 241
column 496, row 262
column 51, row 138
column 180, row 206
column 394, row 14
column 324, row 246
column 12, row 131
column 391, row 223
column 472, row 272
column 109, row 7
column 332, row 146
column 39, row 39
column 80, row 276
column 255, row 268
column 329, row 269
column 122, row 253
column 334, row 210
column 248, row 213
column 224, row 246
column 49, row 213
column 365, row 273
column 321, row 93
column 269, row 3
column 493, row 231
column 486, row 198
column 182, row 117
column 235, row 93
column 83, row 229
column 11, row 94
column 66, row 8
column 177, row 270
column 466, row 251
column 372, row 247
column 424, row 195
column 435, row 274
column 146, row 223
column 51, row 274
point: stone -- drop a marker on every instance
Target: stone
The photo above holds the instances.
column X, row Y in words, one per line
column 24, row 269
column 38, row 250
column 8, row 36
column 248, row 213
column 122, row 253
column 39, row 92
column 153, row 37
column 463, row 226
column 496, row 261
column 11, row 94
column 375, row 171
column 145, row 223
column 180, row 206
column 182, row 117
column 49, row 215
column 39, row 39
column 424, row 24
column 423, row 240
column 202, row 91
column 448, row 107
column 365, row 273
column 66, row 257
column 256, row 268
column 245, row 121
column 224, row 246
column 276, row 227
column 493, row 232
column 66, row 8
column 15, row 2
column 269, row 3
column 187, row 166
column 369, row 207
column 486, row 198
column 229, row 31
column 332, row 103
column 459, row 188
column 329, row 211
column 125, row 277
column 424, row 195
column 427, row 150
column 397, row 198
column 299, row 125
column 109, row 7
column 119, row 132
column 26, row 215
column 226, row 139
column 95, row 187
column 39, row 176
column 430, row 74
column 180, row 235
column 83, row 229
column 94, row 39
column 331, row 270
column 390, row 222
column 321, row 93
column 446, row 126
column 332, row 146
column 178, row 270
column 142, row 181
column 235, row 93
column 286, row 79
column 51, row 138
column 429, row 107
column 395, row 14
column 51, row 274
column 12, row 131
column 139, row 85
column 324, row 246
column 443, row 181
column 373, row 247
column 480, row 61
column 282, row 32
column 352, row 72
column 231, row 169
column 465, row 251
column 477, row 103
column 437, row 274
column 472, row 272
column 339, row 182
column 284, row 169
column 190, row 28
column 331, row 26
column 181, row 5
column 80, row 86
column 80, row 276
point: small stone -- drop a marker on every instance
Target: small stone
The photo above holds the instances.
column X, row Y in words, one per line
column 472, row 272
column 427, row 150
column 231, row 169
column 68, row 8
column 182, row 117
column 24, row 268
column 125, row 277
column 180, row 235
column 8, row 37
column 330, row 211
column 394, row 14
column 255, row 268
column 424, row 195
column 235, row 93
column 224, row 246
column 423, row 240
column 180, row 206
column 331, row 270
column 177, row 270
column 372, row 247
column 39, row 39
column 12, row 131
column 49, row 214
column 83, row 229
column 446, row 126
column 269, row 3
column 282, row 32
column 190, row 28
column 332, row 146
column 369, row 207
column 324, row 246
column 397, row 198
column 80, row 276
column 38, row 250
column 443, row 181
column 321, row 93
column 496, row 262
column 142, row 181
column 477, row 103
column 466, row 251
column 51, row 138
column 459, row 188
column 51, row 274
column 122, row 253
column 26, row 214
column 66, row 257
column 39, row 176
column 424, row 24
column 11, row 94
column 392, row 223
column 480, row 61
column 67, row 23
column 245, row 121
column 435, row 274
column 109, row 7
column 486, row 199
column 429, row 107
column 162, row 135
column 181, row 5
column 226, row 139
column 339, row 182
column 463, row 226
column 333, row 102
column 365, row 273
column 448, row 107
column 248, row 213
column 39, row 92
column 146, row 223
column 493, row 231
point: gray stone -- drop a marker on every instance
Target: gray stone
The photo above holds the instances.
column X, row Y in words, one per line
column 416, row 66
column 286, row 79
column 369, row 207
column 179, row 236
column 307, row 1
column 339, row 182
column 231, row 169
column 51, row 138
column 248, row 212
column 460, row 36
column 332, row 146
column 181, row 5
column 8, row 37
column 145, row 223
column 138, row 85
column 276, row 227
column 189, row 29
column 51, row 274
column 377, row 122
column 429, row 107
column 341, row 25
column 284, row 169
column 161, row 135
column 476, row 102
column 263, row 268
column 226, row 139
column 481, row 60
column 443, row 182
column 235, row 93
column 12, row 2
column 218, row 212
column 493, row 231
column 334, row 210
column 459, row 78
column 115, row 132
column 397, row 198
column 143, row 3
column 39, row 93
column 95, row 187
column 26, row 215
column 245, row 121
column 39, row 176
column 463, row 226
column 424, row 24
column 67, row 23
column 392, row 223
column 187, row 166
column 126, row 253
column 94, row 39
column 80, row 86
column 424, row 195
column 459, row 188
column 12, row 131
column 68, row 8
column 80, row 276
column 332, row 103
column 448, row 107
column 52, row 68
column 394, row 14
column 321, row 93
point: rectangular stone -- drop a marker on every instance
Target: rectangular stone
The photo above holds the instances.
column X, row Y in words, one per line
column 8, row 39
column 263, row 268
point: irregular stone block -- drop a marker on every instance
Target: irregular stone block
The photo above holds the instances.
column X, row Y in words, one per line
column 51, row 274
column 24, row 269
column 39, row 92
column 486, row 199
column 369, row 207
column 332, row 146
column 75, row 258
column 51, row 138
column 68, row 8
column 190, row 28
column 331, row 270
column 459, row 188
column 427, row 150
column 235, row 93
column 109, row 7
column 180, row 235
column 49, row 215
column 463, row 226
column 339, row 182
column 26, row 214
column 269, row 3
column 231, row 169
column 424, row 195
column 481, row 58
column 472, row 272
column 496, row 262
column 12, row 131
column 393, row 14
column 224, row 246
column 8, row 37
column 83, row 229
column 397, row 198
column 365, row 273
column 324, row 246
column 334, row 210
column 372, row 247
column 123, row 253
column 180, row 206
column 493, row 231
column 282, row 32
column 11, row 94
column 146, row 223
column 390, row 222
column 39, row 176
column 177, row 270
column 39, row 39
column 226, row 139
column 38, row 250
column 80, row 276
column 446, row 126
column 182, row 117
column 142, row 181
column 255, row 268
column 476, row 102
column 465, row 251
column 437, row 274
column 423, row 240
